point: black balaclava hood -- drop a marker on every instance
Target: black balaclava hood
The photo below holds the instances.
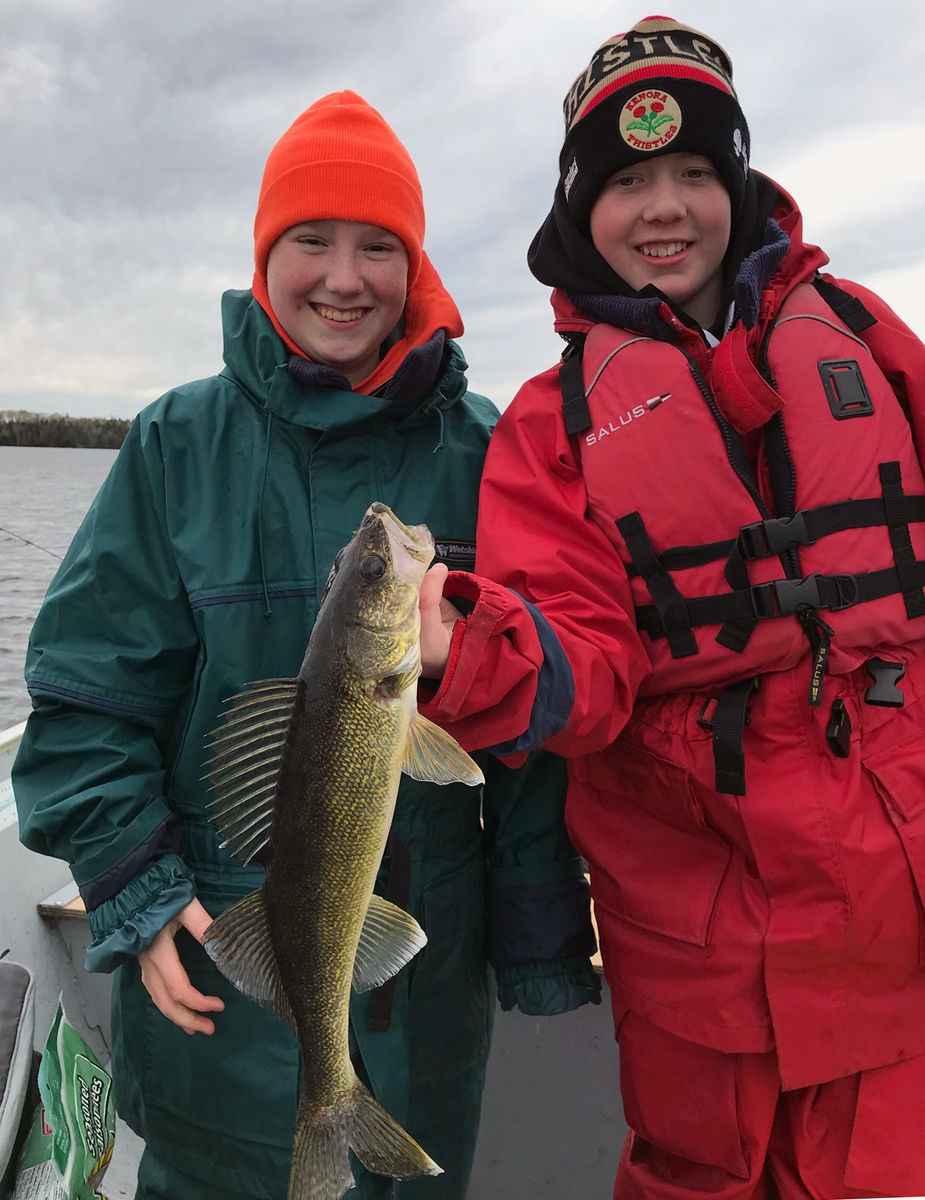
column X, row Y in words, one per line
column 661, row 88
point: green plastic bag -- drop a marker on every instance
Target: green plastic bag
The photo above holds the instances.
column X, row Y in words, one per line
column 71, row 1139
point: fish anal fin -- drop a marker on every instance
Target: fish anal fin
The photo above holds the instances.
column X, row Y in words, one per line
column 239, row 944
column 390, row 938
column 432, row 756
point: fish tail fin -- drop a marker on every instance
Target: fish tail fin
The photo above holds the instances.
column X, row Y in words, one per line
column 320, row 1160
column 380, row 1143
column 320, row 1163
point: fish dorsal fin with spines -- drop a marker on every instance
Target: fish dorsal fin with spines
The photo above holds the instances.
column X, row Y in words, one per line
column 432, row 756
column 389, row 939
column 239, row 944
column 246, row 750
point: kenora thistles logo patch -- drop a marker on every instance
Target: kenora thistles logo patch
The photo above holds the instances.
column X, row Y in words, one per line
column 650, row 119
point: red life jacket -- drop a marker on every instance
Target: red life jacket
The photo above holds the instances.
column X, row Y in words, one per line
column 830, row 521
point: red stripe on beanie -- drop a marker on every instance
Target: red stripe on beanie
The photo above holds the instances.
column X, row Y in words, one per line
column 646, row 76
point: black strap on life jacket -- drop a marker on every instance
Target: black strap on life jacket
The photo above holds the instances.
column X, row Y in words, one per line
column 397, row 890
column 846, row 307
column 667, row 601
column 768, row 538
column 785, row 597
column 897, row 523
column 728, row 721
column 575, row 411
column 735, row 635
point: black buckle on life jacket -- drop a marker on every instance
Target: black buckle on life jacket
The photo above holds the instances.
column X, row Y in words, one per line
column 884, row 693
column 783, row 597
column 765, row 538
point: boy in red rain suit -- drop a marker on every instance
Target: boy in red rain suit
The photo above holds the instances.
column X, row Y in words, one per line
column 700, row 569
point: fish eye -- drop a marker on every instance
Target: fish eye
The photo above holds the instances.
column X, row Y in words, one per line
column 372, row 568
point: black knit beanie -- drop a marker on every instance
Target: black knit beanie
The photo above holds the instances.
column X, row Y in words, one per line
column 660, row 88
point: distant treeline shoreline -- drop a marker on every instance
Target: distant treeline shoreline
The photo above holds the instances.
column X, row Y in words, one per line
column 41, row 429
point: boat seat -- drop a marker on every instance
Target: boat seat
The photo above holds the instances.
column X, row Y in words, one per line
column 17, row 1029
column 66, row 903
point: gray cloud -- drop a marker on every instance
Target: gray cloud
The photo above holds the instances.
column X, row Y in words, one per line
column 132, row 138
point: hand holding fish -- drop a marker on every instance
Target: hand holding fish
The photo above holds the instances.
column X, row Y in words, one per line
column 167, row 982
column 438, row 618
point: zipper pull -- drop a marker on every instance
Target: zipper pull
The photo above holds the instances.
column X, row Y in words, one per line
column 820, row 637
column 838, row 730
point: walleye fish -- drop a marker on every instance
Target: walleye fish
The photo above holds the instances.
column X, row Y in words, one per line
column 309, row 768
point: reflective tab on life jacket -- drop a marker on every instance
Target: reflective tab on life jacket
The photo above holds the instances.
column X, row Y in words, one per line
column 845, row 389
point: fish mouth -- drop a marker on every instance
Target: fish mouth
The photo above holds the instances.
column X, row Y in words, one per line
column 414, row 540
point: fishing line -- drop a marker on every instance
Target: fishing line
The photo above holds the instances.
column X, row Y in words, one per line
column 59, row 557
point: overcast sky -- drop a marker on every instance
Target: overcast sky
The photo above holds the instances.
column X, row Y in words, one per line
column 133, row 136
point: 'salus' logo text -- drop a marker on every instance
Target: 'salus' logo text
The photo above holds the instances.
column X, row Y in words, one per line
column 626, row 418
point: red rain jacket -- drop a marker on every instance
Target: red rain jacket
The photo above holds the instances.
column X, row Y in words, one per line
column 789, row 917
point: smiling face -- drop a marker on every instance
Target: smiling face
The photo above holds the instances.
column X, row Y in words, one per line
column 338, row 288
column 666, row 221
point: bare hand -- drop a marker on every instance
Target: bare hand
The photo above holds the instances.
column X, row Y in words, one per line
column 438, row 617
column 167, row 982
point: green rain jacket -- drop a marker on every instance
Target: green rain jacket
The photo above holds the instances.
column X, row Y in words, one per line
column 197, row 570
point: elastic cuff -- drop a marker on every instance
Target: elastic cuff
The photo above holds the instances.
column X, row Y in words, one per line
column 125, row 925
column 547, row 988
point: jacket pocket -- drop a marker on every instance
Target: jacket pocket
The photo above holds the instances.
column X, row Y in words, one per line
column 654, row 860
column 898, row 776
column 656, row 1068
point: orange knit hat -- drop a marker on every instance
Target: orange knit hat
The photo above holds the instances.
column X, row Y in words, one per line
column 340, row 160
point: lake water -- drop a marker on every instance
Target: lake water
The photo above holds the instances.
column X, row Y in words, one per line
column 44, row 494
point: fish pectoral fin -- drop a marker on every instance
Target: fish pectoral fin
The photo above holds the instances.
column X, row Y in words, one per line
column 390, row 937
column 432, row 756
column 239, row 944
column 393, row 685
